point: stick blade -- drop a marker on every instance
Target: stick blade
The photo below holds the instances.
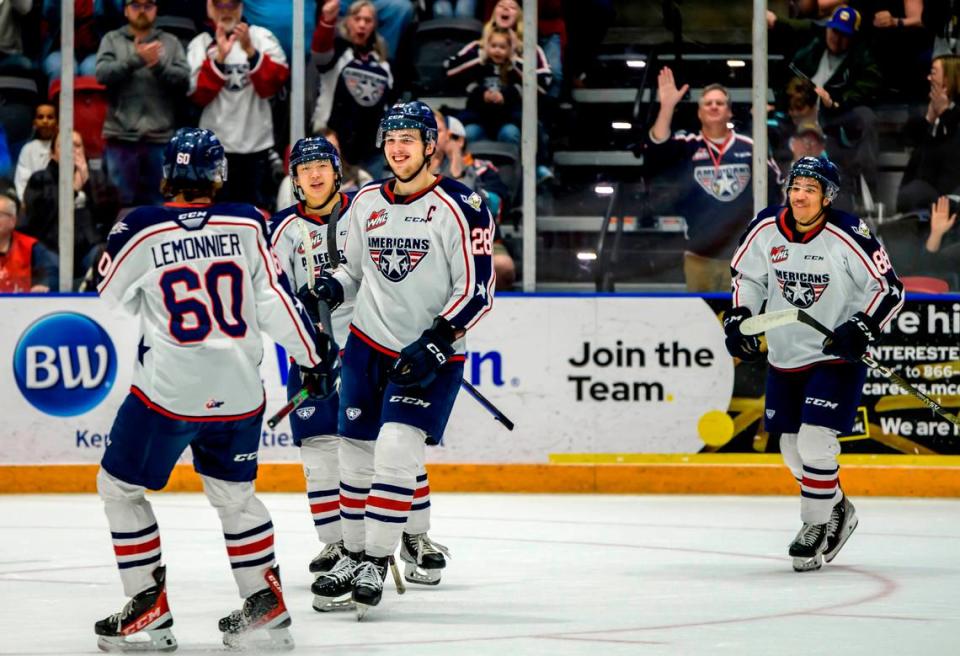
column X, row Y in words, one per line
column 763, row 322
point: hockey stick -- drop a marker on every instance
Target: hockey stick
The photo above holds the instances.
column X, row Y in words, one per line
column 763, row 322
column 397, row 579
column 482, row 400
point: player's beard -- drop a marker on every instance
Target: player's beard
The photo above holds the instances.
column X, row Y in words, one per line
column 423, row 163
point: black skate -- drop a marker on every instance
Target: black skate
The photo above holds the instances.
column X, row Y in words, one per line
column 328, row 557
column 843, row 521
column 331, row 591
column 263, row 609
column 368, row 584
column 143, row 624
column 424, row 559
column 807, row 548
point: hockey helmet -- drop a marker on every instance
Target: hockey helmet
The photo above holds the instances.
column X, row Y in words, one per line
column 820, row 169
column 311, row 149
column 411, row 115
column 194, row 155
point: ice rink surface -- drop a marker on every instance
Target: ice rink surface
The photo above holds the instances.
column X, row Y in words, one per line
column 531, row 574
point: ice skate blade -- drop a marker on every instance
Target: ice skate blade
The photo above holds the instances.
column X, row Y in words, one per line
column 420, row 576
column 808, row 564
column 362, row 610
column 331, row 605
column 161, row 640
column 843, row 540
column 260, row 640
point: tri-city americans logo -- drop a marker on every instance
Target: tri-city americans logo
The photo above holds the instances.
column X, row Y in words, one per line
column 396, row 257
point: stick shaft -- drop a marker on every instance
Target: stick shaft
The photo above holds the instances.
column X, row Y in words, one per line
column 492, row 409
column 290, row 406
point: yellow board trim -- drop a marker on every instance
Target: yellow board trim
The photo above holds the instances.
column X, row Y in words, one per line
column 718, row 473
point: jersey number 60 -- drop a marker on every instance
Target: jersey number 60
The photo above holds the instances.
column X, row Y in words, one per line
column 201, row 324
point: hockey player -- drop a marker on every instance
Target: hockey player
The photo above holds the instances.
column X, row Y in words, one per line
column 808, row 255
column 202, row 280
column 418, row 261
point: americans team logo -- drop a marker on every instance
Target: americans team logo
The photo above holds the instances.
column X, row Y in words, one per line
column 396, row 257
column 725, row 183
column 802, row 289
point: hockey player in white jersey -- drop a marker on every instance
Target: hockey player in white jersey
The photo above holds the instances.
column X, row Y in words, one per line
column 418, row 261
column 202, row 280
column 808, row 255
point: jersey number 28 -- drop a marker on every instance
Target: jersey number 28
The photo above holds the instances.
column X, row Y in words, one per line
column 194, row 304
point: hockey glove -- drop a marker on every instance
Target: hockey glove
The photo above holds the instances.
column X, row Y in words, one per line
column 325, row 288
column 745, row 347
column 419, row 362
column 851, row 338
column 323, row 380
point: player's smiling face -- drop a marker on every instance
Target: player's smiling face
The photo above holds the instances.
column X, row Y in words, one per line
column 404, row 152
column 806, row 199
column 317, row 179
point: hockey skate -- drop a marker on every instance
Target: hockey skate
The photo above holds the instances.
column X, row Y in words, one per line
column 843, row 521
column 807, row 548
column 263, row 609
column 332, row 590
column 328, row 557
column 368, row 584
column 143, row 624
column 424, row 559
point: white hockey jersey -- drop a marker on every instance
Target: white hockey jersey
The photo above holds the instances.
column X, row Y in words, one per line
column 287, row 232
column 832, row 273
column 410, row 259
column 204, row 283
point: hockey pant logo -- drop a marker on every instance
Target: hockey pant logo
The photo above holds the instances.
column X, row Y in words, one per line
column 305, row 413
column 409, row 400
column 245, row 457
column 353, row 413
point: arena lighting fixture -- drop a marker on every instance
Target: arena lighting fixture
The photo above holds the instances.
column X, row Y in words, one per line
column 586, row 256
column 621, row 125
column 636, row 63
column 736, row 63
column 603, row 189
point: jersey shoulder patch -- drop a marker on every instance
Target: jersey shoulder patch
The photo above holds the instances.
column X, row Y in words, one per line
column 852, row 225
column 134, row 223
column 470, row 202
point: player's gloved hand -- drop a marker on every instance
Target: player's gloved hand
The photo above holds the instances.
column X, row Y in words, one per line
column 325, row 288
column 323, row 380
column 745, row 347
column 851, row 338
column 419, row 362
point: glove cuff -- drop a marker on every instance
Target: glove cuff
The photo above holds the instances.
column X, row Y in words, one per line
column 444, row 330
column 868, row 325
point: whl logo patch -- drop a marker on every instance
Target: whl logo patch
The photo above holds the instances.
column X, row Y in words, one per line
column 376, row 220
column 779, row 254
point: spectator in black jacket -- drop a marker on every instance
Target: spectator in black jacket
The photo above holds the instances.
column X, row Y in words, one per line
column 934, row 166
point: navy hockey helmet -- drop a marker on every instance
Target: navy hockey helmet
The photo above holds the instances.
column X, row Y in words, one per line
column 194, row 155
column 412, row 115
column 820, row 169
column 312, row 149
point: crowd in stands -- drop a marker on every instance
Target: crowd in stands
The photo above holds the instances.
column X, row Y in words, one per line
column 147, row 67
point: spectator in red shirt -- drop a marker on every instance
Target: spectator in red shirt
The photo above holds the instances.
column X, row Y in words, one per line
column 234, row 71
column 25, row 265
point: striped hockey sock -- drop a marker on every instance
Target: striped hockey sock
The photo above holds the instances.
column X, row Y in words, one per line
column 388, row 507
column 419, row 520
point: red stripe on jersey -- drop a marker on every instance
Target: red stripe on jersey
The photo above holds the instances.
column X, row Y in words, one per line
column 366, row 339
column 389, row 504
column 756, row 231
column 348, row 502
column 466, row 258
column 820, row 485
column 875, row 274
column 143, row 547
column 137, row 392
column 326, row 506
column 421, row 492
column 253, row 547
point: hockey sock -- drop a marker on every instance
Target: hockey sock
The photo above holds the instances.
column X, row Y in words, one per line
column 791, row 457
column 398, row 460
column 133, row 528
column 321, row 468
column 419, row 520
column 356, row 475
column 820, row 486
column 247, row 530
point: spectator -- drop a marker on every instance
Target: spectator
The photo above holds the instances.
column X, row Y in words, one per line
column 508, row 15
column 352, row 177
column 902, row 44
column 393, row 18
column 145, row 72
column 846, row 79
column 11, row 40
column 452, row 159
column 86, row 35
column 355, row 81
column 807, row 141
column 934, row 168
column 35, row 154
column 41, row 205
column 233, row 74
column 458, row 8
column 941, row 222
column 710, row 180
column 25, row 264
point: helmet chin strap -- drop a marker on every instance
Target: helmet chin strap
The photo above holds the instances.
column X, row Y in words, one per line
column 426, row 160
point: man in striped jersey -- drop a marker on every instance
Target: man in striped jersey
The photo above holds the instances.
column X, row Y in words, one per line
column 808, row 255
column 204, row 283
column 418, row 261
